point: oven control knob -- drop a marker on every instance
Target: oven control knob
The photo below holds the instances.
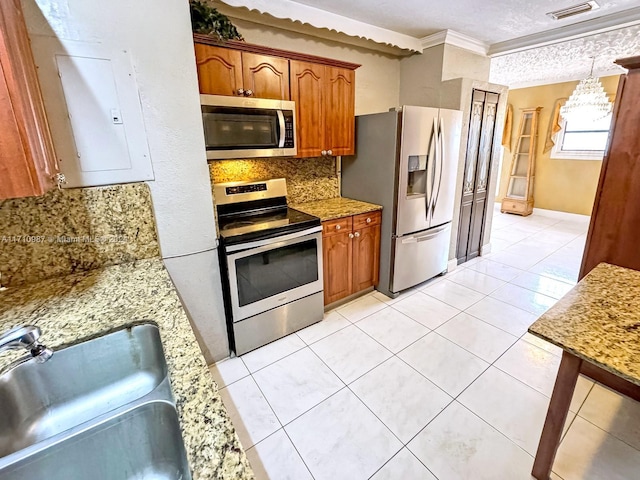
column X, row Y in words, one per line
column 368, row 220
column 248, row 93
column 357, row 234
column 338, row 227
column 240, row 91
column 351, row 235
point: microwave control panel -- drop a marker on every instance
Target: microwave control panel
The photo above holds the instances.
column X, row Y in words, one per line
column 289, row 141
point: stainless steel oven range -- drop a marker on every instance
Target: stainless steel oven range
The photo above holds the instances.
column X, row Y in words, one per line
column 271, row 263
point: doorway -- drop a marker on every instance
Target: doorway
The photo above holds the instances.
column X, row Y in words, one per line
column 477, row 171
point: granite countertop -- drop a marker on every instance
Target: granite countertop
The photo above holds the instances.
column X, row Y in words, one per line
column 85, row 305
column 333, row 208
column 599, row 321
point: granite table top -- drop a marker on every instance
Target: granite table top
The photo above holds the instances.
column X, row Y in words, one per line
column 332, row 208
column 86, row 305
column 599, row 321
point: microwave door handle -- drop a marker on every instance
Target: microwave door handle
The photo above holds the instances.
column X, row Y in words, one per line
column 283, row 130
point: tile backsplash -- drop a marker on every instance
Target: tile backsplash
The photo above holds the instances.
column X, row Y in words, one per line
column 308, row 179
column 71, row 230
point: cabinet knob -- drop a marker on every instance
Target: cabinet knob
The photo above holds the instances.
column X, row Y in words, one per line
column 368, row 220
column 240, row 91
column 248, row 93
column 338, row 227
column 351, row 235
column 323, row 153
column 357, row 234
column 329, row 152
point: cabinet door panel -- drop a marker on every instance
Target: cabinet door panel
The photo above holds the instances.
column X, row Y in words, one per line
column 337, row 258
column 14, row 165
column 267, row 77
column 306, row 91
column 366, row 258
column 27, row 160
column 340, row 105
column 219, row 70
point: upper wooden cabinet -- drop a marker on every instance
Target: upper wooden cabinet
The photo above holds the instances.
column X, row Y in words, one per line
column 27, row 160
column 307, row 83
column 340, row 110
column 224, row 71
column 323, row 89
column 325, row 98
column 265, row 76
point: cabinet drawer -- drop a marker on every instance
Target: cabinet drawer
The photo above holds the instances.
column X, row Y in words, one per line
column 509, row 205
column 366, row 219
column 339, row 225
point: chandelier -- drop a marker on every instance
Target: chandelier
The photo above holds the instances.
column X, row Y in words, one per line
column 588, row 101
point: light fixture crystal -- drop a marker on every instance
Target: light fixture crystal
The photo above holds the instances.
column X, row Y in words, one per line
column 587, row 102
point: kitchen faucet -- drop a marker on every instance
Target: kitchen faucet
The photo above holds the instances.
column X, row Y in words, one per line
column 24, row 337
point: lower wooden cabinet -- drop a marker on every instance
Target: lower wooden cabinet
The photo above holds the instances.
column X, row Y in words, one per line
column 351, row 255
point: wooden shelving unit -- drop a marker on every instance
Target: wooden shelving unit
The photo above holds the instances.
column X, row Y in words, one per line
column 519, row 198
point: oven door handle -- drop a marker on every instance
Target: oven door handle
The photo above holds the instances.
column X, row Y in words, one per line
column 272, row 241
column 283, row 130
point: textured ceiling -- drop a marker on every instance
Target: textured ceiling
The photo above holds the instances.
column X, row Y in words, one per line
column 567, row 60
column 398, row 26
column 490, row 20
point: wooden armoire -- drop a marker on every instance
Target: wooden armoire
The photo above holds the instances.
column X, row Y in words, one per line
column 614, row 231
column 477, row 172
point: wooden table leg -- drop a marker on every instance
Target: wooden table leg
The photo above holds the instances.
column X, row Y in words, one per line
column 556, row 415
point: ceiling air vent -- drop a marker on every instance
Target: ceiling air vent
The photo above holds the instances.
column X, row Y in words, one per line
column 575, row 10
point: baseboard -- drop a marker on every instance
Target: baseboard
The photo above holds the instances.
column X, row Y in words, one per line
column 485, row 249
column 452, row 265
column 344, row 301
column 561, row 215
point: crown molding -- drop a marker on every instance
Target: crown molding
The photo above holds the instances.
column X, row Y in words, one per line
column 298, row 12
column 615, row 21
column 451, row 37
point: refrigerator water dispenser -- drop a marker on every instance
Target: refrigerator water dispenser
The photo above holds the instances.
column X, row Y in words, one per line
column 417, row 178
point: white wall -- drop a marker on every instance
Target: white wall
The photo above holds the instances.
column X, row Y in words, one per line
column 158, row 36
column 160, row 42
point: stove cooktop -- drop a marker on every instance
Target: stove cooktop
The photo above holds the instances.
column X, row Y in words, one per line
column 245, row 227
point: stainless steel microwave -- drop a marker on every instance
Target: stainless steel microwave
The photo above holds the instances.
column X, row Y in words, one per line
column 240, row 127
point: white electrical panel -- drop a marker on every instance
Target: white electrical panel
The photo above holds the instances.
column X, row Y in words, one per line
column 94, row 112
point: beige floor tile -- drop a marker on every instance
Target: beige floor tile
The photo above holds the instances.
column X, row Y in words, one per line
column 275, row 457
column 426, row 310
column 480, row 338
column 392, row 329
column 449, row 366
column 403, row 399
column 350, row 353
column 341, row 439
column 458, row 445
column 589, row 453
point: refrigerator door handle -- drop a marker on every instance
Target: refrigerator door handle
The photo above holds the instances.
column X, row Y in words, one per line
column 431, row 166
column 440, row 159
column 425, row 237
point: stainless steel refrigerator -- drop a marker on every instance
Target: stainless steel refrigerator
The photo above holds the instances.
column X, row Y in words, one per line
column 407, row 162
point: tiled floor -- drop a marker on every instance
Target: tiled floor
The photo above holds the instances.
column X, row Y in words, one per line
column 442, row 382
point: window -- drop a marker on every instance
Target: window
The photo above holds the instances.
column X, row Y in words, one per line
column 581, row 139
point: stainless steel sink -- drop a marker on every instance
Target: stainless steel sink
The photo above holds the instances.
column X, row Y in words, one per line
column 143, row 443
column 106, row 401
